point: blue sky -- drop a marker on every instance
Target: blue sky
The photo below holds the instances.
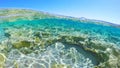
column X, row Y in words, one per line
column 106, row 10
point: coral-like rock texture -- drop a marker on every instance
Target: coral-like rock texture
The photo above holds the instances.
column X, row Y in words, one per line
column 35, row 39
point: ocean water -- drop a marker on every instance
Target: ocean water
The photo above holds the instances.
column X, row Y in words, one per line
column 106, row 33
column 2, row 34
column 56, row 43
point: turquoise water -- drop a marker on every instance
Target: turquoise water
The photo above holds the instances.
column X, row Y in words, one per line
column 106, row 33
column 59, row 53
column 1, row 33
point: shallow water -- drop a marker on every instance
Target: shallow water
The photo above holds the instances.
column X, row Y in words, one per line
column 107, row 33
column 55, row 54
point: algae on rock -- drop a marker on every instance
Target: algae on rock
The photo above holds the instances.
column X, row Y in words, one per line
column 22, row 44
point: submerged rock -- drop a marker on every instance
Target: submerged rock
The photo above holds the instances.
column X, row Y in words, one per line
column 2, row 60
column 21, row 44
column 30, row 39
column 7, row 35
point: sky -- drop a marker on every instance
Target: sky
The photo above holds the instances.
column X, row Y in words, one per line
column 106, row 10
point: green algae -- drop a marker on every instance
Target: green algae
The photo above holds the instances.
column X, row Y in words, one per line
column 37, row 40
column 22, row 44
column 2, row 58
column 60, row 66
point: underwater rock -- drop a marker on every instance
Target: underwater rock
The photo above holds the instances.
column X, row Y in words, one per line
column 60, row 66
column 7, row 35
column 22, row 44
column 55, row 55
column 31, row 39
column 2, row 60
column 42, row 34
column 37, row 40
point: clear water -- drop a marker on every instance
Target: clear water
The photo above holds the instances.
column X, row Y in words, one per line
column 107, row 33
column 56, row 54
column 2, row 34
